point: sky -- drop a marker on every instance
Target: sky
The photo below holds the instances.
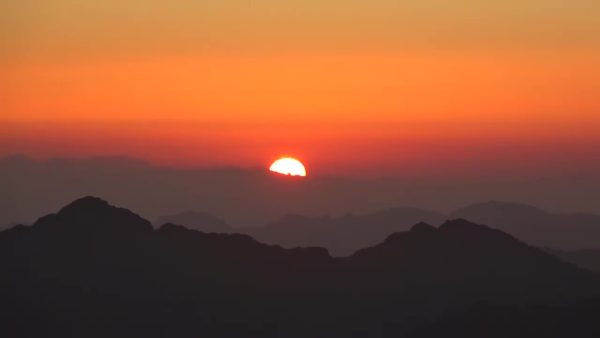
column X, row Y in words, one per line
column 358, row 88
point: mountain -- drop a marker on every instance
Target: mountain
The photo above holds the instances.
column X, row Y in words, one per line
column 201, row 221
column 586, row 258
column 95, row 270
column 462, row 262
column 566, row 231
column 342, row 235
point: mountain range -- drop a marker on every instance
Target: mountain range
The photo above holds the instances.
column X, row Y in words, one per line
column 568, row 231
column 96, row 270
column 254, row 197
column 344, row 235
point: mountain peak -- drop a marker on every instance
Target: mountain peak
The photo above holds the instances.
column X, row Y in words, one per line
column 463, row 227
column 87, row 202
column 418, row 230
column 173, row 227
column 423, row 227
column 95, row 213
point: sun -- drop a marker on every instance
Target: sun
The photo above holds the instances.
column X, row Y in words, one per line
column 288, row 166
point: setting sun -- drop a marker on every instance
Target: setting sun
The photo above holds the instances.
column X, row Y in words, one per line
column 288, row 166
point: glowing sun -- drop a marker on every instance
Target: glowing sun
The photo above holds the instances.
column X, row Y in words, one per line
column 288, row 166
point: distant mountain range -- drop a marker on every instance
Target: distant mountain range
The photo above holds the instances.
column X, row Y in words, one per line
column 344, row 235
column 253, row 197
column 201, row 221
column 95, row 270
column 568, row 231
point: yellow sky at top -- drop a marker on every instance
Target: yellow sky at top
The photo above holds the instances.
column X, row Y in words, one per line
column 109, row 28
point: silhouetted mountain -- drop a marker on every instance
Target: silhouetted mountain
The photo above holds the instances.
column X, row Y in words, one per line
column 94, row 270
column 535, row 226
column 586, row 258
column 91, row 216
column 342, row 235
column 9, row 225
column 468, row 262
column 201, row 221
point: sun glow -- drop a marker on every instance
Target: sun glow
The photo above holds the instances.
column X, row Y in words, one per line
column 288, row 166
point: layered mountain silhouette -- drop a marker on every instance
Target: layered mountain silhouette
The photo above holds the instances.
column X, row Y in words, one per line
column 95, row 270
column 567, row 231
column 201, row 221
column 342, row 235
column 586, row 258
column 253, row 196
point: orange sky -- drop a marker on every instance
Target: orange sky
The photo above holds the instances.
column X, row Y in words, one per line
column 360, row 87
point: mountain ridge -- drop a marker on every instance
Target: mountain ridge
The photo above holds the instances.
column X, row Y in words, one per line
column 63, row 270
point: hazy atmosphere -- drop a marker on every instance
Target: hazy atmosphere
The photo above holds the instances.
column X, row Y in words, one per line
column 300, row 169
column 251, row 197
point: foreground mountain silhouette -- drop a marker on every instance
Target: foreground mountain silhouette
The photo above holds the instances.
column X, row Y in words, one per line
column 95, row 270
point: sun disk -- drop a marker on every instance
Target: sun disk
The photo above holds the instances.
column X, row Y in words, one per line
column 288, row 166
